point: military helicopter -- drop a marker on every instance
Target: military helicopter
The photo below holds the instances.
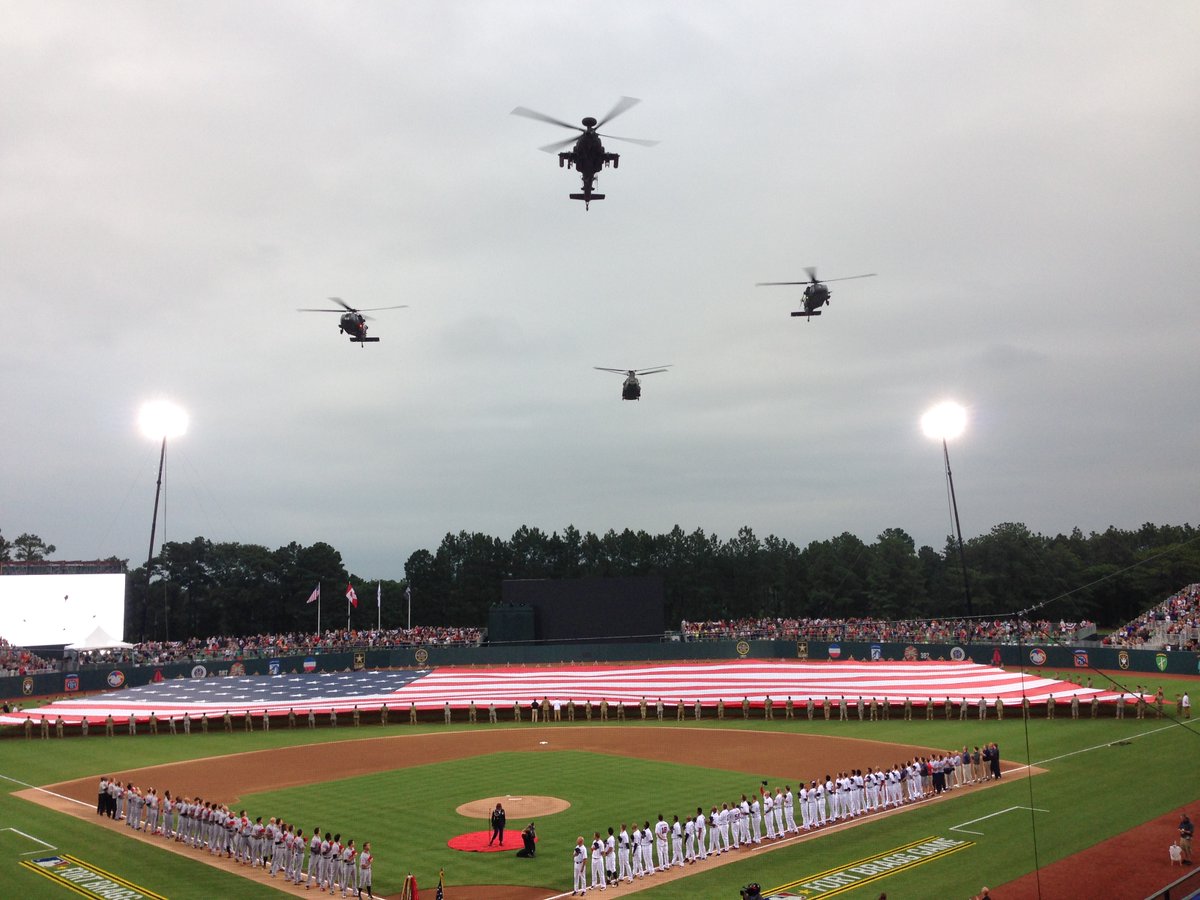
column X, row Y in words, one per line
column 816, row 294
column 632, row 388
column 353, row 322
column 588, row 155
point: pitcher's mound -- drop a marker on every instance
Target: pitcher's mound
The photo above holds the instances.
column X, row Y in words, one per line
column 523, row 807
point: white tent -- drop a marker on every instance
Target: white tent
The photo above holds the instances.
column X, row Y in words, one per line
column 99, row 640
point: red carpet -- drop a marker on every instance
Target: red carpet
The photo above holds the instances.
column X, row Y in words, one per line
column 477, row 842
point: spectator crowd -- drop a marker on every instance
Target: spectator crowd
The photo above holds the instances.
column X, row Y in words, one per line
column 903, row 631
column 1172, row 625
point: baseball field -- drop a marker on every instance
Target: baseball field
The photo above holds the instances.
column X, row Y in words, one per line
column 401, row 787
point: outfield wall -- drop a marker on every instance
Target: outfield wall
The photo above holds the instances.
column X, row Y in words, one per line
column 98, row 678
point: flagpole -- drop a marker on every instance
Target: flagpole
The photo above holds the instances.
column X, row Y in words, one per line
column 379, row 606
column 318, row 609
column 408, row 596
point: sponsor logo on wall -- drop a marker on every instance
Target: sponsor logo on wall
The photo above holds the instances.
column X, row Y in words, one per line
column 958, row 654
column 835, row 651
column 1037, row 656
column 1160, row 660
column 876, row 651
column 198, row 671
column 238, row 669
column 310, row 664
column 1123, row 659
column 360, row 660
column 802, row 650
column 1081, row 659
column 115, row 678
column 70, row 684
column 273, row 667
column 26, row 685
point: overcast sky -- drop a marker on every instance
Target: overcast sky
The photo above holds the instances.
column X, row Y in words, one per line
column 176, row 179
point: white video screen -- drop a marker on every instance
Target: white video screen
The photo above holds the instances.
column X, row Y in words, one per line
column 60, row 609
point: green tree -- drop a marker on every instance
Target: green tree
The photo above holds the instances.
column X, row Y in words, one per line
column 29, row 547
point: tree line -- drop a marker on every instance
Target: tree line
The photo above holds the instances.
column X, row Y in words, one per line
column 202, row 587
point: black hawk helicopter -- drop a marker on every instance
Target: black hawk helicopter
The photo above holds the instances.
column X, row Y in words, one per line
column 588, row 156
column 816, row 294
column 632, row 388
column 353, row 322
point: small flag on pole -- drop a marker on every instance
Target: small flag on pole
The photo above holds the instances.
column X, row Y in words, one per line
column 316, row 594
column 351, row 596
column 379, row 595
column 408, row 593
column 441, row 878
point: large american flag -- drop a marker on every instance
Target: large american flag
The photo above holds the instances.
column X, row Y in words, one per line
column 708, row 682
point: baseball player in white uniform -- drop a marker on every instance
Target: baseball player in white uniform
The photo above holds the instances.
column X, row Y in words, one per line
column 676, row 843
column 661, row 831
column 579, row 862
column 598, row 861
column 647, row 848
column 635, row 851
column 624, row 842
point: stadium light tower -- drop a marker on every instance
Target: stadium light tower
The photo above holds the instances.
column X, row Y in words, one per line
column 946, row 421
column 159, row 419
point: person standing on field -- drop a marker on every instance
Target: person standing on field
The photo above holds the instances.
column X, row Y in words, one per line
column 498, row 820
column 579, row 861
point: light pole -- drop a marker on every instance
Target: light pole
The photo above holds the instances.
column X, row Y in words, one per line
column 159, row 419
column 947, row 421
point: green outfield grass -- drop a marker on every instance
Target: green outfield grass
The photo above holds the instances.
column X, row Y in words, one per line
column 1096, row 787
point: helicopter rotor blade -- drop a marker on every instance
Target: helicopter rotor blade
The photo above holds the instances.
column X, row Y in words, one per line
column 307, row 309
column 850, row 277
column 812, row 273
column 623, row 105
column 616, row 371
column 558, row 145
column 642, row 141
column 770, row 283
column 343, row 303
column 377, row 308
column 653, row 370
column 542, row 117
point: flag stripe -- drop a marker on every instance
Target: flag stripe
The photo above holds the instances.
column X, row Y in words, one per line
column 709, row 683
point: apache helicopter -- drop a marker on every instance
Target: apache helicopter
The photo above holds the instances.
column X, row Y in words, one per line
column 816, row 294
column 588, row 156
column 631, row 389
column 353, row 322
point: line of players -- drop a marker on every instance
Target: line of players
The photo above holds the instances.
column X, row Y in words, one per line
column 275, row 846
column 769, row 816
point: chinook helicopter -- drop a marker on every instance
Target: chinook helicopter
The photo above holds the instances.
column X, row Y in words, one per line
column 353, row 322
column 631, row 389
column 816, row 294
column 588, row 156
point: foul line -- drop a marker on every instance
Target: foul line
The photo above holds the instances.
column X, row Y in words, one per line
column 32, row 838
column 34, row 787
column 960, row 827
column 1131, row 737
